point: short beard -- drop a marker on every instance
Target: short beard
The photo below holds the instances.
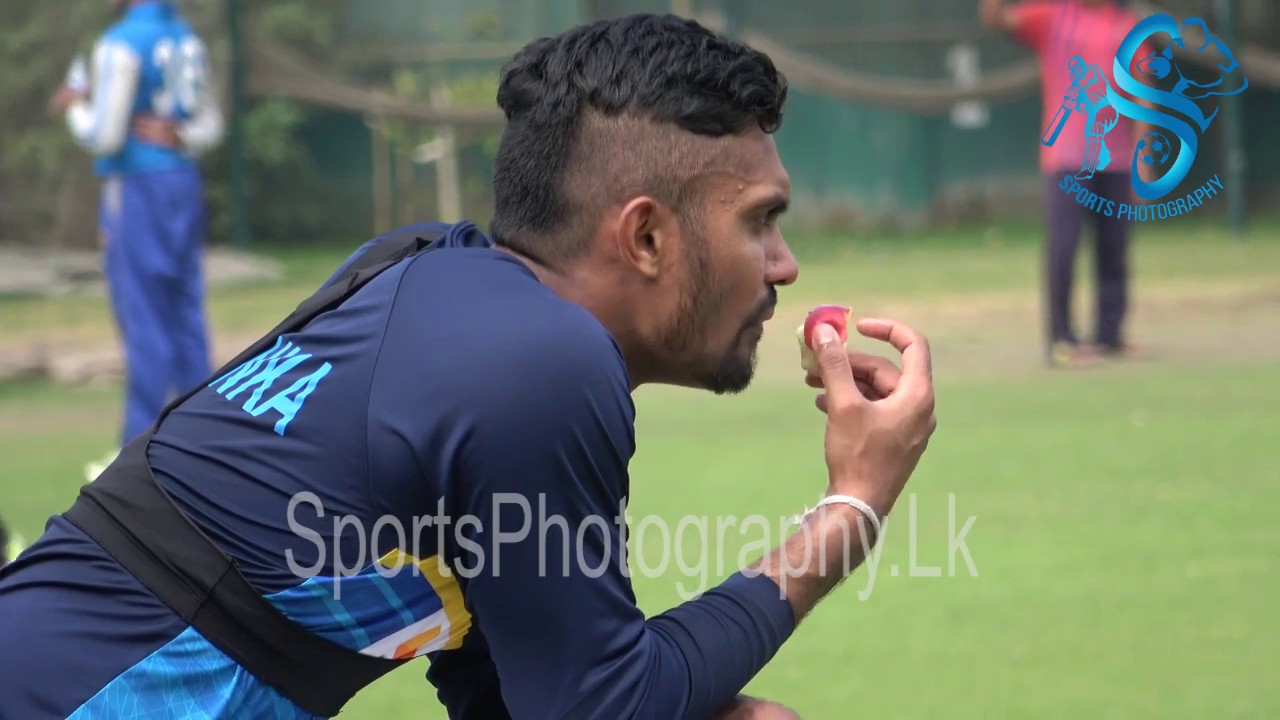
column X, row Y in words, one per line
column 734, row 373
column 699, row 303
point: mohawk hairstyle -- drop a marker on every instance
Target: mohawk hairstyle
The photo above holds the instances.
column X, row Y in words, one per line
column 613, row 109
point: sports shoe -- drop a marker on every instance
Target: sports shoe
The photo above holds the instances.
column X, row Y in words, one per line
column 1067, row 355
column 1126, row 351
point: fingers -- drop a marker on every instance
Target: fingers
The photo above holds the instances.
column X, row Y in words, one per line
column 61, row 100
column 749, row 708
column 866, row 389
column 851, row 377
column 917, row 361
column 878, row 374
column 834, row 369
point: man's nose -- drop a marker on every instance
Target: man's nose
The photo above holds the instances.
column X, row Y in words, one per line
column 780, row 263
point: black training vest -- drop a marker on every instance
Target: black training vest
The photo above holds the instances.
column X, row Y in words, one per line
column 127, row 512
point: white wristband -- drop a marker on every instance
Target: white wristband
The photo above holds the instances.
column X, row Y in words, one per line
column 856, row 504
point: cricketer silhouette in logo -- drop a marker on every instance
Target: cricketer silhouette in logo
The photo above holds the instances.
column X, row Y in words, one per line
column 1173, row 88
column 1088, row 95
column 1181, row 104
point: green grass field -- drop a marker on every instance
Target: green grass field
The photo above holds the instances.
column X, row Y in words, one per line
column 1123, row 534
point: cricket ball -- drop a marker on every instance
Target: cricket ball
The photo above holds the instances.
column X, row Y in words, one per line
column 837, row 316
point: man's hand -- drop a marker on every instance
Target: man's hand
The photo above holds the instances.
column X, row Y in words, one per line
column 876, row 377
column 156, row 131
column 879, row 420
column 996, row 16
column 64, row 98
column 749, row 708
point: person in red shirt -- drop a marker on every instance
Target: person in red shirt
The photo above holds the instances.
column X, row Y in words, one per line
column 1076, row 42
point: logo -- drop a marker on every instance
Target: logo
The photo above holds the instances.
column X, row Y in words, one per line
column 1173, row 93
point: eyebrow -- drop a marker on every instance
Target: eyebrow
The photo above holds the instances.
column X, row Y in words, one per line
column 776, row 203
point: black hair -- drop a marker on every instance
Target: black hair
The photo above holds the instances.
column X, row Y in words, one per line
column 659, row 69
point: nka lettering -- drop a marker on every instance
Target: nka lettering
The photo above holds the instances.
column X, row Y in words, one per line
column 254, row 378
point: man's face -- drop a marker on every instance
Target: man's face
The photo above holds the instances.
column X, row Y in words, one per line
column 735, row 255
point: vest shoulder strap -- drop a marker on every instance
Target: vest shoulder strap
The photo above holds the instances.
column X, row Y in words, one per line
column 366, row 267
column 131, row 516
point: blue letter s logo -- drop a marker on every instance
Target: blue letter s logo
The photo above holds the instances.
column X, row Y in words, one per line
column 1153, row 148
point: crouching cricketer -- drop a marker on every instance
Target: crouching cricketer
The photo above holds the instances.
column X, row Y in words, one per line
column 349, row 493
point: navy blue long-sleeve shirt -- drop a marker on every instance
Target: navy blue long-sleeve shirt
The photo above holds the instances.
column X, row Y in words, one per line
column 456, row 385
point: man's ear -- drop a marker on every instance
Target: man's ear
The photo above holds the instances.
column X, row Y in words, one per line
column 647, row 235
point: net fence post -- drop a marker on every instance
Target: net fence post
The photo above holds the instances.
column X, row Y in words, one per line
column 236, row 147
column 1228, row 12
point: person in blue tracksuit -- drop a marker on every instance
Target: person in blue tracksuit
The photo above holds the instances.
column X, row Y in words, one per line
column 435, row 463
column 145, row 110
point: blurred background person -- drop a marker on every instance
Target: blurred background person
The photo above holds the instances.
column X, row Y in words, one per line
column 144, row 110
column 1076, row 42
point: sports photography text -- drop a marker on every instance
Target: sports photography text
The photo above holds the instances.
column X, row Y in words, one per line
column 518, row 534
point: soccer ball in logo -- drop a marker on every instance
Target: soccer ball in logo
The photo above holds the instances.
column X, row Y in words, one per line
column 1154, row 149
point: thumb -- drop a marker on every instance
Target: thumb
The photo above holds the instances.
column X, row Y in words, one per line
column 833, row 365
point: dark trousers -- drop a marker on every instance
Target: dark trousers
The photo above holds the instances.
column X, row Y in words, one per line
column 1111, row 258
